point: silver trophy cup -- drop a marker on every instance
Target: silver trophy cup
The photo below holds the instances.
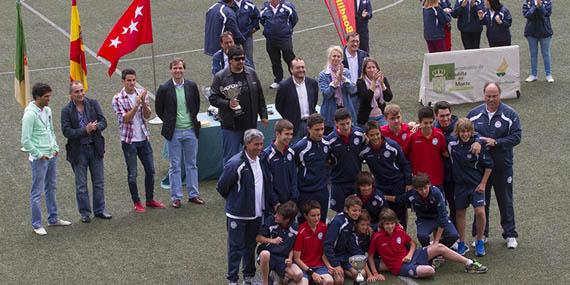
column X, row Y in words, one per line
column 358, row 262
column 232, row 92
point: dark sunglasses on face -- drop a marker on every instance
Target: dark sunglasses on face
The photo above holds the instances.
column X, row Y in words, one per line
column 238, row 58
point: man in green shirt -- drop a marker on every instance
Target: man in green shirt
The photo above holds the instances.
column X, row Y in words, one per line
column 177, row 105
column 38, row 140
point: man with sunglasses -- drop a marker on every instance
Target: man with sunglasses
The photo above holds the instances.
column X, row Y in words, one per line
column 237, row 93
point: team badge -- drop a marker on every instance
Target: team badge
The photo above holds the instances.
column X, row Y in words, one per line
column 356, row 141
column 374, row 203
column 320, row 236
column 233, row 225
column 399, row 240
column 333, row 202
column 246, row 7
column 281, row 10
column 469, row 156
column 510, row 179
column 289, row 156
column 404, row 136
column 434, row 141
column 326, row 149
column 386, row 154
column 498, row 124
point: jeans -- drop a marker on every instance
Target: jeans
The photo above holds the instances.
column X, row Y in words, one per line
column 436, row 45
column 300, row 132
column 274, row 49
column 248, row 50
column 88, row 159
column 544, row 49
column 142, row 150
column 241, row 247
column 380, row 119
column 44, row 178
column 232, row 141
column 183, row 142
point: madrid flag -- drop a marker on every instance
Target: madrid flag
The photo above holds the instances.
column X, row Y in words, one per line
column 343, row 15
column 133, row 29
column 21, row 79
column 77, row 65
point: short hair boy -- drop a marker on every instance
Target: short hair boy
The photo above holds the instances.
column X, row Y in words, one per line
column 396, row 129
column 372, row 200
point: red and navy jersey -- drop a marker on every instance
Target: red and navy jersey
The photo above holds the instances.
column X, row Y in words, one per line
column 468, row 168
column 431, row 208
column 401, row 137
column 344, row 154
column 391, row 248
column 388, row 164
column 284, row 171
column 310, row 244
column 312, row 164
column 270, row 229
column 425, row 154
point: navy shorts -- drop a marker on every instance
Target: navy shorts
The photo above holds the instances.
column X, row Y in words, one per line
column 345, row 264
column 466, row 194
column 321, row 270
column 420, row 258
column 277, row 264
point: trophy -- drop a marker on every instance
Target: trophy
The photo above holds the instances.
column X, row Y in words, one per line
column 231, row 92
column 358, row 262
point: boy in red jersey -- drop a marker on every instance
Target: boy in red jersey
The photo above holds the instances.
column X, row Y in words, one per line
column 309, row 246
column 396, row 129
column 391, row 243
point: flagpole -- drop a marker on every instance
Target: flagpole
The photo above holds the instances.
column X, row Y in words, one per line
column 156, row 120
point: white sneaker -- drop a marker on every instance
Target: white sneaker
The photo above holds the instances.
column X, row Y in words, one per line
column 455, row 246
column 475, row 240
column 531, row 78
column 274, row 85
column 40, row 231
column 60, row 223
column 550, row 79
column 512, row 243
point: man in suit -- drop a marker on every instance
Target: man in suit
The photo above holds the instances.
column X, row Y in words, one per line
column 352, row 59
column 363, row 15
column 296, row 98
column 82, row 122
column 177, row 105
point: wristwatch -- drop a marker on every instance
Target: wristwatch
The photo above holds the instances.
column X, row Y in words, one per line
column 310, row 271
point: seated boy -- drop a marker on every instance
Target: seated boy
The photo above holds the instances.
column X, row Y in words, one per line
column 371, row 198
column 391, row 244
column 470, row 173
column 431, row 212
column 337, row 242
column 308, row 248
column 360, row 242
column 276, row 237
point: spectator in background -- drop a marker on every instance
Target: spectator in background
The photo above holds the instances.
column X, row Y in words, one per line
column 435, row 19
column 446, row 6
column 373, row 92
column 363, row 15
column 248, row 23
column 337, row 89
column 498, row 20
column 468, row 22
column 538, row 30
column 220, row 58
column 278, row 18
column 220, row 18
column 352, row 59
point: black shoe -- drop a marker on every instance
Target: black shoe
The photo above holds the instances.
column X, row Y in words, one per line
column 85, row 219
column 104, row 215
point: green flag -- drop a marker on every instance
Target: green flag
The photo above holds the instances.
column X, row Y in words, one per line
column 21, row 80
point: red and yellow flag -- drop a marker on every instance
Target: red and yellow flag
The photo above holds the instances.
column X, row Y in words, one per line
column 21, row 79
column 77, row 64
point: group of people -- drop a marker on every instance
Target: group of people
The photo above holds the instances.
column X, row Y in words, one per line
column 438, row 162
column 473, row 15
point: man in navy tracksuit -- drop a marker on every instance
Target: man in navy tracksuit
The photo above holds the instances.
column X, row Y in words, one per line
column 363, row 14
column 499, row 126
column 220, row 18
column 345, row 144
column 248, row 23
column 429, row 204
column 278, row 18
column 391, row 169
column 245, row 184
column 468, row 22
column 281, row 161
column 311, row 155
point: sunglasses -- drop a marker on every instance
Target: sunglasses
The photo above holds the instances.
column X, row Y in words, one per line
column 238, row 58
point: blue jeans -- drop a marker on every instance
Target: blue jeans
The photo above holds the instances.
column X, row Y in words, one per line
column 232, row 141
column 248, row 50
column 183, row 142
column 44, row 179
column 89, row 159
column 300, row 132
column 380, row 119
column 544, row 49
column 241, row 247
column 142, row 150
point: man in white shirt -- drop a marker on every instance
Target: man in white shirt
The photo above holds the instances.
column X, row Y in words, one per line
column 353, row 59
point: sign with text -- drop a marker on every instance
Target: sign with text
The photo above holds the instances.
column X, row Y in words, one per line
column 343, row 16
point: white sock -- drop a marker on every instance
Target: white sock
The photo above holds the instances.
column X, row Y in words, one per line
column 469, row 262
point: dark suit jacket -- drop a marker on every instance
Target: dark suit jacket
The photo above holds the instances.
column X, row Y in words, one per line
column 166, row 106
column 74, row 133
column 361, row 55
column 286, row 101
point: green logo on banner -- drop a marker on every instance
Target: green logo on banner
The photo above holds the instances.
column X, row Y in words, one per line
column 446, row 71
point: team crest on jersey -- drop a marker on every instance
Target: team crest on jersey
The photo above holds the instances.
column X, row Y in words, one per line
column 246, row 7
column 374, row 203
column 356, row 141
column 233, row 225
column 434, row 141
column 386, row 154
column 510, row 179
column 333, row 202
column 289, row 156
column 404, row 136
column 498, row 124
column 399, row 240
column 281, row 10
column 320, row 236
column 469, row 156
column 326, row 149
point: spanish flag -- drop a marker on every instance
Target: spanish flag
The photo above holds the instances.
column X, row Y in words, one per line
column 77, row 65
column 21, row 79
